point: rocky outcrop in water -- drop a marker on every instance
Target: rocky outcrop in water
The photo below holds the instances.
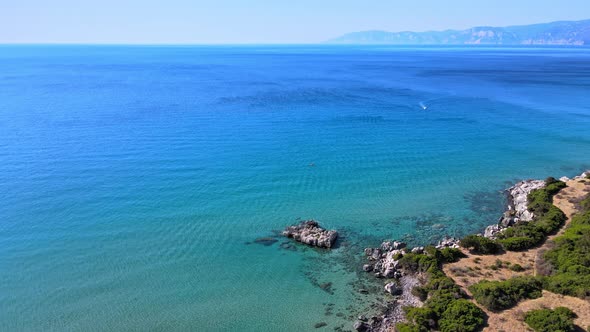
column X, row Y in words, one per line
column 517, row 210
column 383, row 261
column 310, row 233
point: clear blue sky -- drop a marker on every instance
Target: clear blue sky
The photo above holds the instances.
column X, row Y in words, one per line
column 258, row 21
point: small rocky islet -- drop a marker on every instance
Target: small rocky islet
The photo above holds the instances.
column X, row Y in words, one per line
column 309, row 232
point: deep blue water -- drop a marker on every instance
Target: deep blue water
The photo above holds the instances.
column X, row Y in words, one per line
column 133, row 180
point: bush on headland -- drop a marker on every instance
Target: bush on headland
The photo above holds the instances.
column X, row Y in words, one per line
column 451, row 255
column 480, row 245
column 445, row 308
column 461, row 315
column 560, row 319
column 501, row 295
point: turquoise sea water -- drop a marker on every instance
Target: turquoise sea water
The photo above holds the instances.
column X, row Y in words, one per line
column 134, row 180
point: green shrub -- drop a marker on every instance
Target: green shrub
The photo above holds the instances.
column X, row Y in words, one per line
column 560, row 319
column 461, row 316
column 498, row 263
column 420, row 318
column 409, row 327
column 518, row 243
column 554, row 187
column 501, row 295
column 570, row 257
column 516, row 268
column 480, row 245
column 539, row 201
column 440, row 294
column 550, row 180
column 585, row 204
column 568, row 284
column 419, row 262
column 420, row 292
column 451, row 255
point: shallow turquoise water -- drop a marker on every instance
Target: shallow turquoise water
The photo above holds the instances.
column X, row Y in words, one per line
column 134, row 179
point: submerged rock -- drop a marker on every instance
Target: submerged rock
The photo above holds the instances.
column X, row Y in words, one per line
column 266, row 241
column 367, row 267
column 327, row 287
column 288, row 246
column 320, row 324
column 361, row 326
column 309, row 232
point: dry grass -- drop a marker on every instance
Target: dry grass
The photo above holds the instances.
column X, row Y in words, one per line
column 512, row 319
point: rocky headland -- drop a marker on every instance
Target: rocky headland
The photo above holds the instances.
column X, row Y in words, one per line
column 517, row 209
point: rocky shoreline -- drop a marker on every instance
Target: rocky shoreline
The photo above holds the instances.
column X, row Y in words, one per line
column 517, row 209
column 383, row 261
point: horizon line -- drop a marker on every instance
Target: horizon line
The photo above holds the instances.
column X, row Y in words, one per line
column 279, row 44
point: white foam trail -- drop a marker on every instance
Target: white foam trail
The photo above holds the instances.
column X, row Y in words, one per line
column 424, row 107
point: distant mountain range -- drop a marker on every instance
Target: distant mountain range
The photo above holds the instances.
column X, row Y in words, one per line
column 554, row 33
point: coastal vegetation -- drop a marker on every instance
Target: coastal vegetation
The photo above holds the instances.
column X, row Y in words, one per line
column 569, row 259
column 445, row 307
column 566, row 271
column 560, row 319
column 480, row 245
column 501, row 295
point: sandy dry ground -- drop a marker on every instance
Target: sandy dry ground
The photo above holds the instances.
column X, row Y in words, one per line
column 474, row 268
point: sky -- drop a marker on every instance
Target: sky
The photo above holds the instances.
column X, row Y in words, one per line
column 258, row 21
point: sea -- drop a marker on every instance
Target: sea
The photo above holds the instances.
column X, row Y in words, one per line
column 144, row 188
